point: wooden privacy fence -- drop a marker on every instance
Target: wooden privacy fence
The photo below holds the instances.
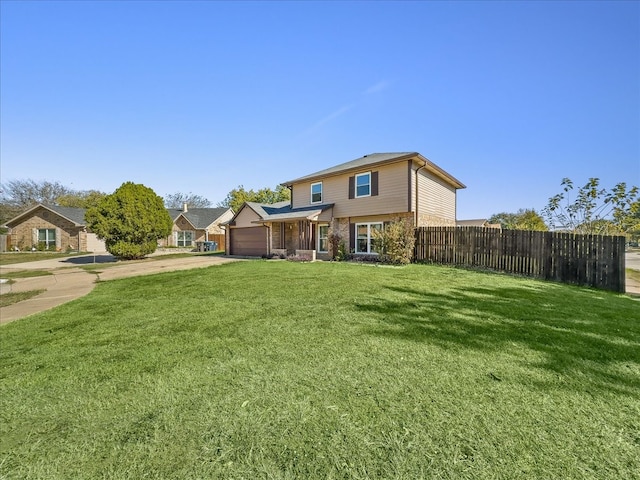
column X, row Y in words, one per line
column 593, row 260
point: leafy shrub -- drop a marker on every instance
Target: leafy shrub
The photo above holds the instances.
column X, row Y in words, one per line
column 299, row 258
column 395, row 242
column 273, row 256
column 130, row 221
column 338, row 248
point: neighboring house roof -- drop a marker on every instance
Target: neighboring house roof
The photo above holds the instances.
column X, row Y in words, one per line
column 200, row 218
column 281, row 211
column 375, row 159
column 74, row 215
column 479, row 222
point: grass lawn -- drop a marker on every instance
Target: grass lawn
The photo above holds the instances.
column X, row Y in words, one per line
column 10, row 298
column 282, row 370
column 9, row 258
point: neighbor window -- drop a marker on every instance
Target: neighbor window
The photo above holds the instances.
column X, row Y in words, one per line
column 185, row 238
column 363, row 185
column 364, row 236
column 47, row 236
column 316, row 192
column 323, row 238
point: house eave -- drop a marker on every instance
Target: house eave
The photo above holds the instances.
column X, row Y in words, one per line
column 320, row 175
column 34, row 208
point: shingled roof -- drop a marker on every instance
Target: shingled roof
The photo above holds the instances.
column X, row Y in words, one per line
column 280, row 211
column 74, row 215
column 200, row 218
column 374, row 159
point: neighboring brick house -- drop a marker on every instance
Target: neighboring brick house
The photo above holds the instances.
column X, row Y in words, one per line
column 53, row 228
column 64, row 228
column 194, row 225
column 350, row 200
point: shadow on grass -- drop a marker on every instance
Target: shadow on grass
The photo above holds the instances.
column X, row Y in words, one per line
column 579, row 333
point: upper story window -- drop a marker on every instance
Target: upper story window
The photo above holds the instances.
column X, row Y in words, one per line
column 316, row 192
column 363, row 185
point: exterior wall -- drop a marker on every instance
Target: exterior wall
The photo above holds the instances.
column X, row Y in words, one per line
column 245, row 218
column 340, row 226
column 393, row 196
column 291, row 234
column 276, row 237
column 68, row 235
column 436, row 201
column 214, row 233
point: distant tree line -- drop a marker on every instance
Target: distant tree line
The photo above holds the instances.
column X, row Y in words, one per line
column 592, row 209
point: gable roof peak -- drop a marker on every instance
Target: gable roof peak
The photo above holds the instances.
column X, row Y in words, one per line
column 364, row 161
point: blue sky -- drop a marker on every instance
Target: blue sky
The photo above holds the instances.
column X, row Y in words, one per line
column 509, row 97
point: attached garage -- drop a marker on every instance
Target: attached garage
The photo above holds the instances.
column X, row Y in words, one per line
column 248, row 241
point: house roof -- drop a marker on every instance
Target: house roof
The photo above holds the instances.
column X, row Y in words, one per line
column 200, row 218
column 74, row 215
column 282, row 211
column 374, row 159
column 277, row 212
column 478, row 222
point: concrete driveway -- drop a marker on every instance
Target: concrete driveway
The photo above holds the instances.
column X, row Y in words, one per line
column 68, row 282
column 632, row 259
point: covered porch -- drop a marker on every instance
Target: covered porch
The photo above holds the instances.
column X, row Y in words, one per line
column 303, row 232
column 305, row 238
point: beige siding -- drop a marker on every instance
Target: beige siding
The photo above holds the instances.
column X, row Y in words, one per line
column 246, row 217
column 215, row 228
column 436, row 200
column 392, row 197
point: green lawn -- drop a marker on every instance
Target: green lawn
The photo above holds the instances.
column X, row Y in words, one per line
column 282, row 370
column 9, row 258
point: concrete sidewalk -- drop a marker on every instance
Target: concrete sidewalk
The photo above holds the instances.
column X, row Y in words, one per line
column 68, row 282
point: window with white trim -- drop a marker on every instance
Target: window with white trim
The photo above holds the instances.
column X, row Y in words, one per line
column 185, row 238
column 364, row 236
column 47, row 236
column 323, row 238
column 316, row 192
column 363, row 185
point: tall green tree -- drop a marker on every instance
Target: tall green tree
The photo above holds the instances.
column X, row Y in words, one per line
column 595, row 210
column 177, row 200
column 236, row 197
column 81, row 199
column 524, row 219
column 130, row 221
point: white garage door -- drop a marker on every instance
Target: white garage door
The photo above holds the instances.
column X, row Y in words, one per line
column 94, row 244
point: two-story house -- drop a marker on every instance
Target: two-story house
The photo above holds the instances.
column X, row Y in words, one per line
column 350, row 200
